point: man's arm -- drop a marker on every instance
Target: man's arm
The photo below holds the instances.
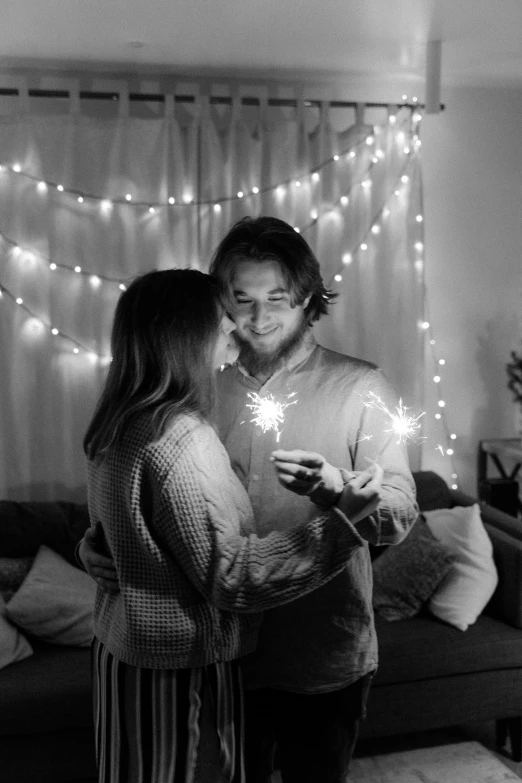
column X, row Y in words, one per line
column 99, row 566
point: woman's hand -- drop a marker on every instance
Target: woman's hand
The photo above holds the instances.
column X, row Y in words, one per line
column 308, row 473
column 99, row 566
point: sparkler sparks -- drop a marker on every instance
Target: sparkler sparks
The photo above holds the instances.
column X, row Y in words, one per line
column 402, row 425
column 268, row 412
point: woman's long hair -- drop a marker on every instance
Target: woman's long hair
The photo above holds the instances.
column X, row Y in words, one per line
column 163, row 335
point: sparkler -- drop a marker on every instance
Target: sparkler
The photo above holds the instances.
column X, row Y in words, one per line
column 402, row 425
column 268, row 412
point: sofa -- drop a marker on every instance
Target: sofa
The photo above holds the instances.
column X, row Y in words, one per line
column 431, row 675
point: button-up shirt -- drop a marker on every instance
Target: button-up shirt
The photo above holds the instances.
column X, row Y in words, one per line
column 325, row 640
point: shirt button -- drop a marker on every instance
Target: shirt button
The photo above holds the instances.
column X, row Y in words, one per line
column 255, row 477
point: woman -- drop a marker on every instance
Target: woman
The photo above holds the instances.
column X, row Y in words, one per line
column 193, row 578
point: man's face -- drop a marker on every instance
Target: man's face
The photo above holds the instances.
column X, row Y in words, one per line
column 267, row 325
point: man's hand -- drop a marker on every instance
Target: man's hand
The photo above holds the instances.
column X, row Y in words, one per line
column 308, row 473
column 99, row 566
column 362, row 493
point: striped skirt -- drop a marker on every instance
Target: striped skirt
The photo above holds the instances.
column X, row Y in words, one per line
column 167, row 725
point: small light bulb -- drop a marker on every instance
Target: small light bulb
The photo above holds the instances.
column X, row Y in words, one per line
column 313, row 214
column 347, row 258
column 338, row 278
column 404, row 97
column 255, row 190
column 438, row 416
column 397, row 192
column 152, row 210
column 369, row 140
column 217, row 208
column 76, row 350
column 392, row 119
column 128, row 197
column 240, row 194
column 453, row 475
column 95, row 281
column 414, row 100
column 418, row 246
column 432, row 342
column 315, row 177
column 376, row 229
column 122, row 287
column 436, row 378
column 449, row 452
column 187, row 198
column 442, row 361
column 52, row 266
column 352, row 154
column 19, row 300
column 454, row 486
column 80, row 199
column 364, row 246
column 297, row 230
column 406, row 150
column 385, row 212
column 453, row 436
column 42, row 187
column 345, row 201
column 405, row 178
column 54, row 331
column 297, row 183
column 77, row 269
column 366, row 183
column 336, row 157
column 60, row 188
column 280, row 191
column 106, row 204
column 425, row 325
column 172, row 200
column 17, row 168
column 419, row 218
column 419, row 264
column 441, row 404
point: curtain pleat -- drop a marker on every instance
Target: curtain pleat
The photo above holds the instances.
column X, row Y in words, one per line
column 359, row 216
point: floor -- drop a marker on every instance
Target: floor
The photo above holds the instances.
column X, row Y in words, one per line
column 484, row 733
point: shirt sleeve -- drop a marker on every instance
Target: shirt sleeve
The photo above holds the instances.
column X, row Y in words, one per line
column 398, row 509
column 202, row 517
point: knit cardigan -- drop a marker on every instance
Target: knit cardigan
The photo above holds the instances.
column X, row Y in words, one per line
column 193, row 576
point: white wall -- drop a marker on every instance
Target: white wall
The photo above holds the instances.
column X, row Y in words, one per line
column 472, row 164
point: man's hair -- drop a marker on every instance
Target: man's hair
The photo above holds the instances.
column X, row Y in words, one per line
column 270, row 239
column 164, row 331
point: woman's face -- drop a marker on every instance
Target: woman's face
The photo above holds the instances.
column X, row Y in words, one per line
column 225, row 350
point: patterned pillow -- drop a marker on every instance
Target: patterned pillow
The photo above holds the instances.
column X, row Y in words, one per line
column 13, row 571
column 405, row 576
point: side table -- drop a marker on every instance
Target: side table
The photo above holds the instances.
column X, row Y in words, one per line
column 501, row 492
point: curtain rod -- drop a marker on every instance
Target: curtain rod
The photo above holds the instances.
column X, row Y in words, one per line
column 216, row 99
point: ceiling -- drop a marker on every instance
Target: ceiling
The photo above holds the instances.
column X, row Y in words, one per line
column 376, row 39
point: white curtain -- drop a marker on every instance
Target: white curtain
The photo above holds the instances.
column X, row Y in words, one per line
column 86, row 192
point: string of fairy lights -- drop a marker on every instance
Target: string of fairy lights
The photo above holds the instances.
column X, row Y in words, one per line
column 407, row 140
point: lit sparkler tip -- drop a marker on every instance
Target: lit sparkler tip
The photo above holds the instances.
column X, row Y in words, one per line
column 268, row 412
column 401, row 424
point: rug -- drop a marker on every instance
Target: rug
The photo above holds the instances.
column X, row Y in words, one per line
column 461, row 762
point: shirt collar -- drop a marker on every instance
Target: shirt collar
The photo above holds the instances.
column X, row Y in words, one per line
column 307, row 346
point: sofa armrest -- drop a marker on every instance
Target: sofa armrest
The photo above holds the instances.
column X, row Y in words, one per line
column 505, row 533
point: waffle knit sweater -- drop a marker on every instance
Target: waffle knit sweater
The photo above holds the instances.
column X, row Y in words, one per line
column 193, row 576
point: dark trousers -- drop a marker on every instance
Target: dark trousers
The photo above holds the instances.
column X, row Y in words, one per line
column 312, row 736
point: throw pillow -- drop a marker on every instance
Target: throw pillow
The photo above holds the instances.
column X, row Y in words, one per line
column 472, row 580
column 55, row 601
column 406, row 575
column 13, row 571
column 13, row 645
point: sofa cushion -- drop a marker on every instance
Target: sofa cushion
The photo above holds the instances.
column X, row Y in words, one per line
column 470, row 583
column 432, row 491
column 425, row 647
column 406, row 575
column 48, row 691
column 13, row 644
column 24, row 527
column 55, row 601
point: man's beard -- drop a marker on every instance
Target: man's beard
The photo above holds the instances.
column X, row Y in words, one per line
column 265, row 364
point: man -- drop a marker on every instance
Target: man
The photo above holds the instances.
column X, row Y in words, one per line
column 307, row 682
